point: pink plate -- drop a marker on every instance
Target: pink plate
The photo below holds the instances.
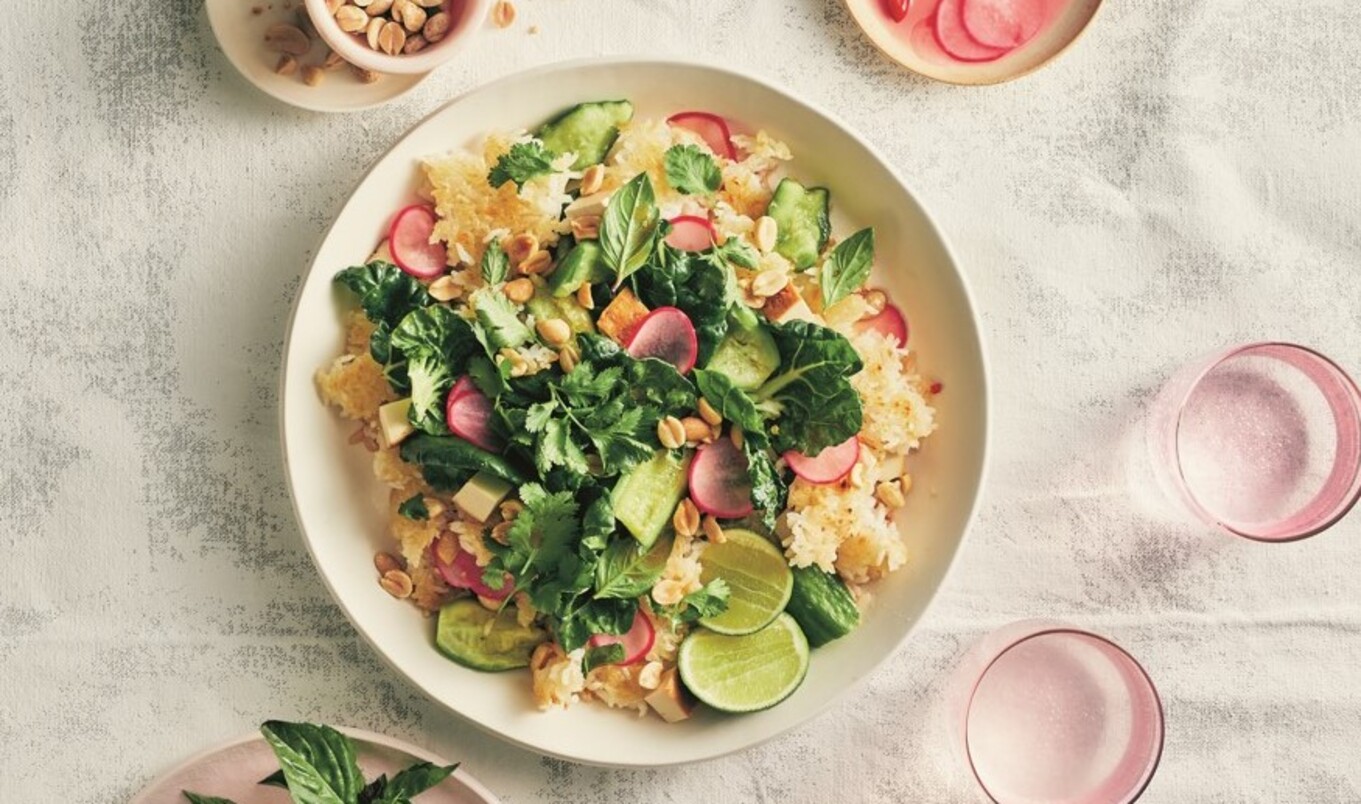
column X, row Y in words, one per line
column 233, row 771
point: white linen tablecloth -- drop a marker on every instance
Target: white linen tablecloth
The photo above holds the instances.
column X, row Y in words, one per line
column 1188, row 176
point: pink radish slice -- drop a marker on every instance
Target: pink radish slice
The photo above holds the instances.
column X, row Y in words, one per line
column 896, row 9
column 719, row 481
column 465, row 574
column 828, row 466
column 690, row 233
column 1002, row 23
column 468, row 414
column 667, row 334
column 954, row 40
column 710, row 127
column 890, row 322
column 637, row 641
column 409, row 242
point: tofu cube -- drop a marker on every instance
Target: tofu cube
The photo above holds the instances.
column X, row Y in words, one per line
column 671, row 699
column 394, row 423
column 479, row 496
column 621, row 315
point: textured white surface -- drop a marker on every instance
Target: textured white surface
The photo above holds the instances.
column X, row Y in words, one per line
column 1188, row 176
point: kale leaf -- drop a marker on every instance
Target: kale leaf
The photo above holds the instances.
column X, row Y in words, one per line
column 436, row 344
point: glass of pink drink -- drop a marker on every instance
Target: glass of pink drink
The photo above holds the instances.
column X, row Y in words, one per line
column 1045, row 712
column 1261, row 441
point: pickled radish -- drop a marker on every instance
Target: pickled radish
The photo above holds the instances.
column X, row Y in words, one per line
column 468, row 414
column 666, row 334
column 464, row 573
column 1003, row 24
column 637, row 641
column 890, row 322
column 955, row 40
column 710, row 127
column 828, row 466
column 720, row 483
column 409, row 242
column 690, row 233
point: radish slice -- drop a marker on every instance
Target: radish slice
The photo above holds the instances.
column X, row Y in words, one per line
column 409, row 242
column 719, row 481
column 828, row 466
column 690, row 233
column 637, row 641
column 890, row 322
column 896, row 9
column 468, row 414
column 710, row 127
column 954, row 40
column 465, row 574
column 667, row 334
column 1002, row 23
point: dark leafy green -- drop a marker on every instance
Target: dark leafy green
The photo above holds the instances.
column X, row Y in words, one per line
column 524, row 161
column 629, row 227
column 847, row 267
column 768, row 489
column 602, row 655
column 411, row 782
column 195, row 798
column 817, row 406
column 692, row 171
column 625, row 571
column 386, row 294
column 436, row 344
column 447, row 462
column 413, row 507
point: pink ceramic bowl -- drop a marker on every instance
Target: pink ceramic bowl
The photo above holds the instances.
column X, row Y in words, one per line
column 467, row 20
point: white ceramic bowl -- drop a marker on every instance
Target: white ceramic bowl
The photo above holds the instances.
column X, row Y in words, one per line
column 341, row 507
column 233, row 771
column 468, row 16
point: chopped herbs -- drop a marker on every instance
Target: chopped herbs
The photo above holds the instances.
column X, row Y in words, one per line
column 692, row 171
column 524, row 161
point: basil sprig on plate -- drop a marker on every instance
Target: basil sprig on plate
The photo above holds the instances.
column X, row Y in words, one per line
column 318, row 766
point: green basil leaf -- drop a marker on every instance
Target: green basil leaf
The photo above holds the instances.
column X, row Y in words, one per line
column 847, row 267
column 692, row 171
column 195, row 798
column 318, row 762
column 447, row 461
column 495, row 263
column 625, row 571
column 628, row 227
column 413, row 781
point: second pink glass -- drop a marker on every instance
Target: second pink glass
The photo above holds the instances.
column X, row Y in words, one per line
column 1262, row 441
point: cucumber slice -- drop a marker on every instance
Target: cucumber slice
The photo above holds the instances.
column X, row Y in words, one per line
column 485, row 640
column 587, row 130
column 747, row 356
column 543, row 305
column 822, row 606
column 581, row 265
column 645, row 498
column 802, row 217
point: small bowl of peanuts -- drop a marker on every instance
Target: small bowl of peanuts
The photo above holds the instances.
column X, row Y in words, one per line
column 397, row 36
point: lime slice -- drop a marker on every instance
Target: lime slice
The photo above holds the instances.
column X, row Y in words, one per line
column 745, row 673
column 758, row 577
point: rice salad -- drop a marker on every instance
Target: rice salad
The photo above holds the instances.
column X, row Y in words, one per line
column 636, row 410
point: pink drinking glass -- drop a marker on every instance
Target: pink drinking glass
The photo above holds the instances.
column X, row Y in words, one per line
column 1261, row 441
column 1045, row 712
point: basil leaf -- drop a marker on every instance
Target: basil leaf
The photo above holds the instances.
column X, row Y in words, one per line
column 847, row 267
column 447, row 461
column 495, row 263
column 522, row 162
column 195, row 798
column 275, row 779
column 373, row 790
column 612, row 653
column 318, row 762
column 692, row 171
column 414, row 507
column 628, row 227
column 413, row 781
column 626, row 572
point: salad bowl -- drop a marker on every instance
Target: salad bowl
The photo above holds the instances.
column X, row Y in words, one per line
column 341, row 508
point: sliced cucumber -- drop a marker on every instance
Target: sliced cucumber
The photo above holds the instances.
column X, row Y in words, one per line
column 543, row 305
column 485, row 640
column 747, row 356
column 802, row 216
column 822, row 606
column 645, row 498
column 587, row 130
column 581, row 265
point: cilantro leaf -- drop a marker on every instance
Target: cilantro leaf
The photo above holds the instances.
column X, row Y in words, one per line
column 625, row 571
column 738, row 252
column 546, row 528
column 709, row 600
column 500, row 324
column 414, row 507
column 495, row 263
column 612, row 653
column 556, row 447
column 847, row 267
column 692, row 171
column 522, row 162
column 629, row 227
